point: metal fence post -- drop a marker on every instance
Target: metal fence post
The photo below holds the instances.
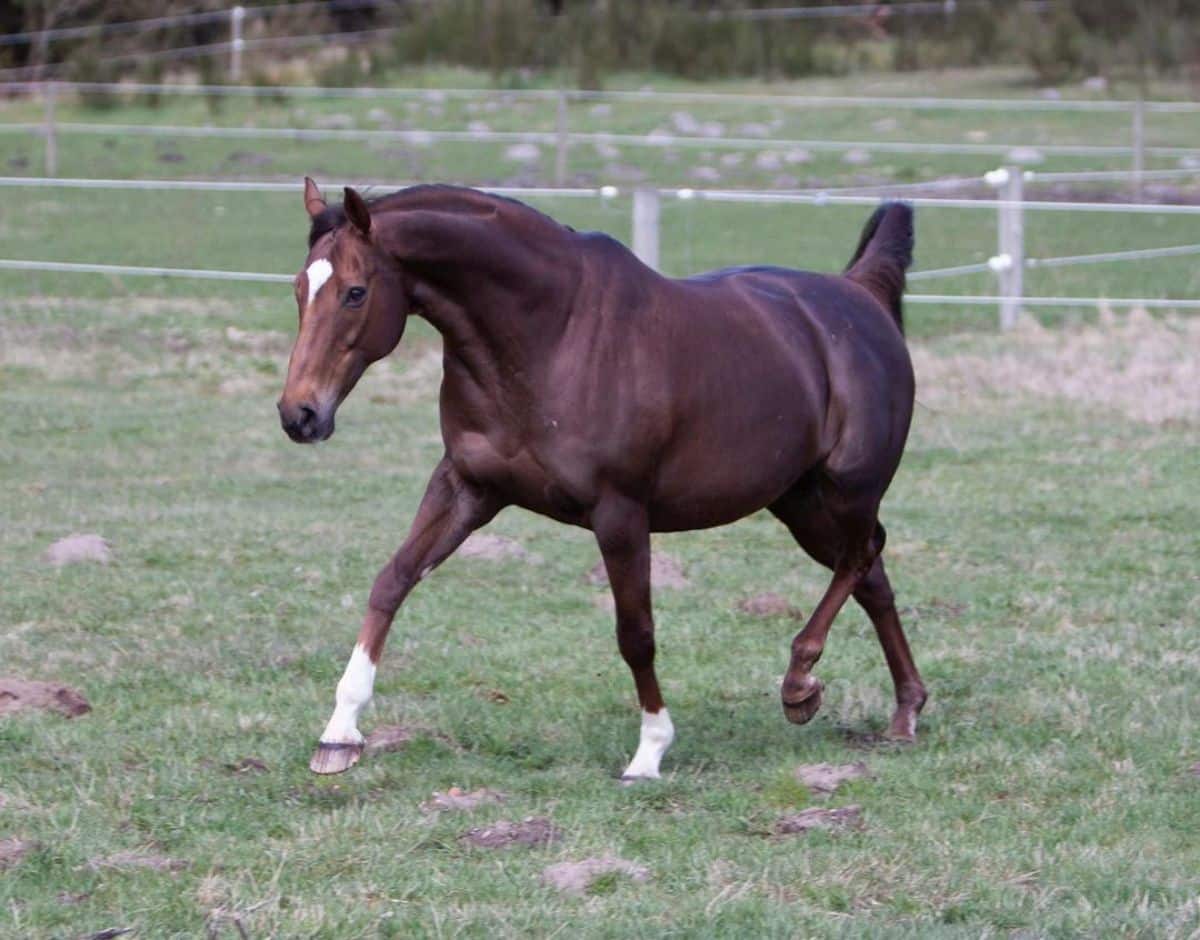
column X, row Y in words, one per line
column 50, row 94
column 1139, row 145
column 236, row 43
column 1009, row 264
column 560, row 154
column 645, row 225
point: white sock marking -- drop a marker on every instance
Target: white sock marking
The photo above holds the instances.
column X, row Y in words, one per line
column 318, row 273
column 657, row 735
column 353, row 693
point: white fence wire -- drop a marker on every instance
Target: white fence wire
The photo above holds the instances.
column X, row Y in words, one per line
column 646, row 234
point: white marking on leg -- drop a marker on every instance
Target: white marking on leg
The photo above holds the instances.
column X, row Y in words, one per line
column 353, row 693
column 657, row 735
column 318, row 273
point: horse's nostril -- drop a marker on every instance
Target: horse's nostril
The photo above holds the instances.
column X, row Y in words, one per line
column 308, row 416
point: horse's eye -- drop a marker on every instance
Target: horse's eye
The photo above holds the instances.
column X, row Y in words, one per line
column 355, row 295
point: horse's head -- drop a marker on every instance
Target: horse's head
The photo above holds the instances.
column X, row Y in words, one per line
column 352, row 312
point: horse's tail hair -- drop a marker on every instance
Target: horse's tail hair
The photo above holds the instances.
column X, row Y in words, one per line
column 884, row 253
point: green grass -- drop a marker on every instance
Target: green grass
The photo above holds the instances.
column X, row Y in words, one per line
column 1043, row 555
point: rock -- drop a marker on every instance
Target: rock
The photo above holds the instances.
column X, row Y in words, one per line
column 856, row 156
column 1096, row 83
column 606, row 151
column 379, row 116
column 334, row 122
column 685, row 123
column 733, row 159
column 797, row 155
column 601, row 110
column 767, row 605
column 479, row 127
column 705, row 174
column 576, row 877
column 884, row 125
column 754, row 129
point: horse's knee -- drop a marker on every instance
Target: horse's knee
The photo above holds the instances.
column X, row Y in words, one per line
column 636, row 643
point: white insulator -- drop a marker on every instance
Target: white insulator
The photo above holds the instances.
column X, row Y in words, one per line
column 686, row 194
column 999, row 263
column 608, row 192
column 996, row 178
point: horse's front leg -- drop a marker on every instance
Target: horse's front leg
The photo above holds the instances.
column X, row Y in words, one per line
column 451, row 509
column 623, row 532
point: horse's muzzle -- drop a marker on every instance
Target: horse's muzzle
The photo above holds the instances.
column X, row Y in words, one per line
column 304, row 423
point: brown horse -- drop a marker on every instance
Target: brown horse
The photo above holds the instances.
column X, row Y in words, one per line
column 582, row 385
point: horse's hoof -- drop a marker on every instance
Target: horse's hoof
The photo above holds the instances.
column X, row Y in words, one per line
column 334, row 758
column 799, row 708
column 629, row 780
column 904, row 726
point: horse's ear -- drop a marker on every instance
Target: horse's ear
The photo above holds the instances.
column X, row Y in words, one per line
column 357, row 211
column 314, row 202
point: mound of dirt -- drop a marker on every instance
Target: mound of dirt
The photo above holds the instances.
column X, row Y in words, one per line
column 23, row 694
column 13, row 849
column 496, row 548
column 534, row 830
column 135, row 859
column 576, row 877
column 665, row 572
column 1139, row 366
column 823, row 779
column 767, row 605
column 819, row 818
column 78, row 548
column 456, row 800
column 388, row 738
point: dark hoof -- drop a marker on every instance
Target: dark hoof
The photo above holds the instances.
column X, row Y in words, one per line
column 799, row 707
column 334, row 758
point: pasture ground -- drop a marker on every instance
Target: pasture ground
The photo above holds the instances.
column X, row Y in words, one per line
column 1043, row 547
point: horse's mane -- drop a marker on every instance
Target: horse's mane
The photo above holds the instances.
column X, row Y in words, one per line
column 436, row 197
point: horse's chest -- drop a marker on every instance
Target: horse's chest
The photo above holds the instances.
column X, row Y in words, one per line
column 521, row 474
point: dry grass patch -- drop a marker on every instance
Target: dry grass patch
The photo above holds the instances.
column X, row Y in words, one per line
column 1141, row 367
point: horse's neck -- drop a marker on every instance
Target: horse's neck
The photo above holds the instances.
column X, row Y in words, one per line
column 497, row 295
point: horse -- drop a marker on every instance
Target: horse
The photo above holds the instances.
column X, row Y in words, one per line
column 582, row 385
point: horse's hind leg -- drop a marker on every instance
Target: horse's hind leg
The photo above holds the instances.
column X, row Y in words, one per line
column 874, row 595
column 820, row 534
column 623, row 533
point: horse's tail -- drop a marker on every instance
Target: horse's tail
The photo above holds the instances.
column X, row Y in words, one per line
column 884, row 253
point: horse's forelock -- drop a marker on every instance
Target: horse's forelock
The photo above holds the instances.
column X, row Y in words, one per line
column 326, row 222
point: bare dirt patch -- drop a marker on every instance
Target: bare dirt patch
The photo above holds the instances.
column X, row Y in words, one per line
column 576, row 877
column 136, row 859
column 13, row 849
column 823, row 779
column 388, row 738
column 496, row 548
column 1194, row 770
column 18, row 695
column 247, row 765
column 844, row 817
column 767, row 605
column 534, row 830
column 456, row 800
column 1139, row 366
column 665, row 572
column 78, row 548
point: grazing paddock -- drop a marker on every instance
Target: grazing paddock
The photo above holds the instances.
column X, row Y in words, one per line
column 1042, row 543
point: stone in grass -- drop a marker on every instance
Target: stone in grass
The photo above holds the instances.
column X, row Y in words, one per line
column 576, row 877
column 845, row 817
column 13, row 849
column 457, row 800
column 665, row 572
column 29, row 694
column 76, row 548
column 825, row 778
column 533, row 830
column 523, row 153
column 856, row 156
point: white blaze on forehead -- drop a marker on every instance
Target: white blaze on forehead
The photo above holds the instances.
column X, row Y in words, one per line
column 318, row 273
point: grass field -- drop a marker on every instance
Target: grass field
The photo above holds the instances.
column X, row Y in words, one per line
column 1043, row 545
column 1042, row 542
